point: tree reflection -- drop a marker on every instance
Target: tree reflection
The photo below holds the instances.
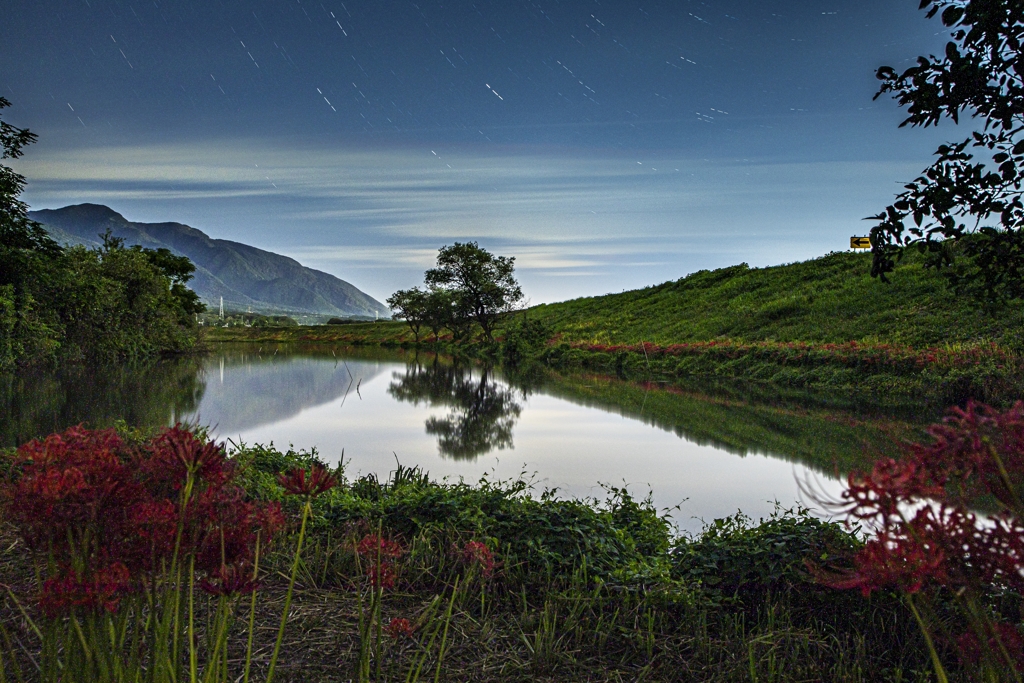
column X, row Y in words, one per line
column 36, row 402
column 482, row 412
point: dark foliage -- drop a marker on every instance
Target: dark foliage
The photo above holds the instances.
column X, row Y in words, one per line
column 965, row 210
column 105, row 303
column 483, row 285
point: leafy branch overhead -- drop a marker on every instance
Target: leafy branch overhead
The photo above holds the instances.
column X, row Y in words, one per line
column 17, row 231
column 965, row 210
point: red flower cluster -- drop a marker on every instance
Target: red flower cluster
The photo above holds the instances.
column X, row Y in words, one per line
column 300, row 483
column 850, row 354
column 380, row 554
column 1003, row 636
column 919, row 507
column 399, row 627
column 118, row 513
column 477, row 553
column 102, row 590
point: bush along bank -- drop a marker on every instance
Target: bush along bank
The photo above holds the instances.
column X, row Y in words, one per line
column 888, row 373
column 942, row 375
column 409, row 579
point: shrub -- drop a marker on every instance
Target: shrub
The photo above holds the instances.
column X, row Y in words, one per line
column 932, row 544
column 121, row 535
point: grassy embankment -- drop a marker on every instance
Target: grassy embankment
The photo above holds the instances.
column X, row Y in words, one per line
column 822, row 324
column 579, row 591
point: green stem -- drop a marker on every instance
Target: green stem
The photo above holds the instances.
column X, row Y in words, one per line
column 192, row 662
column 940, row 672
column 291, row 585
column 444, row 635
column 252, row 613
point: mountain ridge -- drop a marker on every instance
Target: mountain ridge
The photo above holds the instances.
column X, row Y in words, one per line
column 245, row 276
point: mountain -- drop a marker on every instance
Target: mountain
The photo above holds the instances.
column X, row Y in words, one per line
column 245, row 276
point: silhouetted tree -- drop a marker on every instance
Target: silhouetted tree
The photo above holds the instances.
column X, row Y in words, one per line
column 963, row 213
column 483, row 285
column 26, row 253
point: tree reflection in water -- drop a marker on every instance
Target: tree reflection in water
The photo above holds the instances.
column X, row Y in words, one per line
column 482, row 412
column 36, row 402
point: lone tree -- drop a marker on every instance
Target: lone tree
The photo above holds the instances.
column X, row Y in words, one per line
column 410, row 305
column 483, row 286
column 964, row 213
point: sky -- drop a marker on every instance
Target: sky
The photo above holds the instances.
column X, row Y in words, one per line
column 605, row 145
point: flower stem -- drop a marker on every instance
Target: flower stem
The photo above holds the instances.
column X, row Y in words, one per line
column 291, row 585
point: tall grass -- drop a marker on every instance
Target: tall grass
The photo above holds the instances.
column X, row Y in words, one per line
column 409, row 579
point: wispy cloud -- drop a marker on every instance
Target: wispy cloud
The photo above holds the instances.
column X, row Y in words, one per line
column 577, row 224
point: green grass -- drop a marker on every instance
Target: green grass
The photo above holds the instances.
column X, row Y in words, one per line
column 823, row 325
column 383, row 333
column 831, row 299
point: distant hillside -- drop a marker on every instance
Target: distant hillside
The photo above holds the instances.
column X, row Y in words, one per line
column 831, row 299
column 245, row 276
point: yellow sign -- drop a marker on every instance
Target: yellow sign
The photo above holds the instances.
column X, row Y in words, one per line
column 860, row 243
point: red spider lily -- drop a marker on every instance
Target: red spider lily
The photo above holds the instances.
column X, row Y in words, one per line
column 381, row 554
column 977, row 451
column 477, row 553
column 851, row 354
column 72, row 485
column 85, row 499
column 399, row 627
column 155, row 526
column 298, row 483
column 270, row 519
column 61, row 595
column 1003, row 636
column 234, row 579
column 382, row 575
column 373, row 546
column 176, row 452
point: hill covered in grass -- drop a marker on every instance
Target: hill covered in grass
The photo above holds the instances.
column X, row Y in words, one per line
column 831, row 299
column 822, row 325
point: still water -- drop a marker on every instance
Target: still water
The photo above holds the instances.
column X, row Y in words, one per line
column 704, row 452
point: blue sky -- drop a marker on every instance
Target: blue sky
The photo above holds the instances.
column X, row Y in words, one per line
column 605, row 145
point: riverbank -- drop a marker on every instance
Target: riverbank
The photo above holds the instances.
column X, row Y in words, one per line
column 493, row 581
column 823, row 325
column 885, row 374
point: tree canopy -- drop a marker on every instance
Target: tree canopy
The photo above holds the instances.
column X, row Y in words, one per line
column 965, row 210
column 483, row 285
column 469, row 286
column 410, row 306
column 18, row 233
column 100, row 304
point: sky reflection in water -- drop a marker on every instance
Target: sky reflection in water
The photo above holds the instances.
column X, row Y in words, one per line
column 458, row 423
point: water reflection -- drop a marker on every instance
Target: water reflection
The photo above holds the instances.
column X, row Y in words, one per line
column 482, row 411
column 251, row 387
column 470, row 410
column 34, row 403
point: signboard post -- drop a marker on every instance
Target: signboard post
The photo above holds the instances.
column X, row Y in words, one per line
column 860, row 243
